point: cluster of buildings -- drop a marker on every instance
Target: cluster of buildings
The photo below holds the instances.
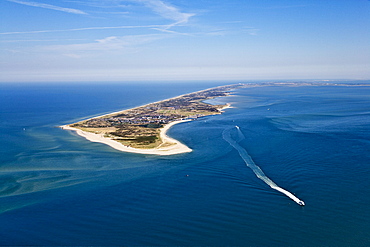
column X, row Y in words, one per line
column 155, row 115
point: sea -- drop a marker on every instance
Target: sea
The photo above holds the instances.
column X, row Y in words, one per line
column 59, row 189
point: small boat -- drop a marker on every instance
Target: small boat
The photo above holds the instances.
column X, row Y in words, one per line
column 301, row 203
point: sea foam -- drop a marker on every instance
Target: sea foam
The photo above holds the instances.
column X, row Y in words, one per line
column 250, row 163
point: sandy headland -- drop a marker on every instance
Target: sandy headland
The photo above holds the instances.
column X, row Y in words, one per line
column 169, row 145
column 143, row 129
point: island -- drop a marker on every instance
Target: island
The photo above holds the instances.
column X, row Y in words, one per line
column 143, row 129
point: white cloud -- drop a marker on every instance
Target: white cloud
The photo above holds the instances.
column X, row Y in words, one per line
column 48, row 6
column 157, row 6
column 84, row 29
column 107, row 44
column 167, row 11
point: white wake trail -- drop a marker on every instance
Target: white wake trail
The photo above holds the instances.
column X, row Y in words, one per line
column 250, row 163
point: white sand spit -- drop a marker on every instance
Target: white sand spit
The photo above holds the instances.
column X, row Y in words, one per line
column 169, row 146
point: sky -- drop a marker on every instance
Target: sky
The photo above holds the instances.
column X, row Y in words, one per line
column 151, row 40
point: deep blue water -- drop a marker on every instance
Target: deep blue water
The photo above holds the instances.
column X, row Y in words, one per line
column 57, row 188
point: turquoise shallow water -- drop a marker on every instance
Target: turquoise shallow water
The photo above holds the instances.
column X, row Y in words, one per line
column 57, row 188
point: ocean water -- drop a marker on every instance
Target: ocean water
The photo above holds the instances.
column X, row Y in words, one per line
column 57, row 188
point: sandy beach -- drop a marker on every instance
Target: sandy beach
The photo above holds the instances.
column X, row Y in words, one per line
column 227, row 106
column 169, row 146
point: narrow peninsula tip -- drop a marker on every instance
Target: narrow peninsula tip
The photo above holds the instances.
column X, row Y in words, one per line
column 143, row 129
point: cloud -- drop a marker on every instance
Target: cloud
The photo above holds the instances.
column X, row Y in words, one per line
column 251, row 30
column 167, row 11
column 101, row 4
column 157, row 6
column 48, row 6
column 166, row 30
column 112, row 43
column 84, row 29
column 36, row 40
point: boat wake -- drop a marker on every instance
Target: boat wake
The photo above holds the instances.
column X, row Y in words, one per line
column 250, row 163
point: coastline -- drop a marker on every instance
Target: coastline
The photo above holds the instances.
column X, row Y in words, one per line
column 193, row 109
column 227, row 106
column 160, row 101
column 169, row 146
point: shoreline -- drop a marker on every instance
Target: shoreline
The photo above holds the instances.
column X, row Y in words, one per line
column 172, row 146
column 227, row 106
column 168, row 146
column 156, row 102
